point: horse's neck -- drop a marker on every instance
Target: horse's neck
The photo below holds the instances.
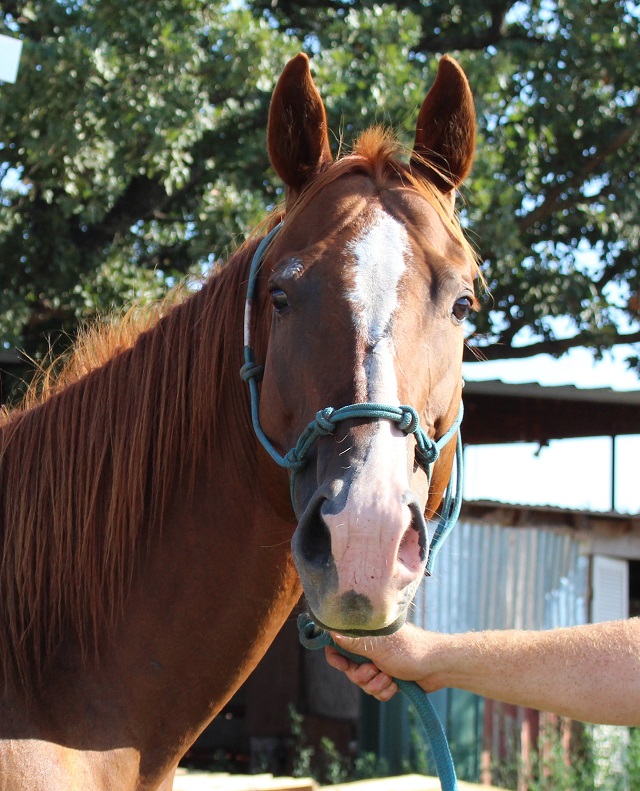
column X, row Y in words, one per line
column 212, row 593
column 215, row 591
column 210, row 597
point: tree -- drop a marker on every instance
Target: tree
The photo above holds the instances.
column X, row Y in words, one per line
column 130, row 152
column 132, row 148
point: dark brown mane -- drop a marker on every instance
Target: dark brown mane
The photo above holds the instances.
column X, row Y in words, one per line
column 86, row 465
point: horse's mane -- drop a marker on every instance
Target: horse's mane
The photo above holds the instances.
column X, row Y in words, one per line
column 87, row 462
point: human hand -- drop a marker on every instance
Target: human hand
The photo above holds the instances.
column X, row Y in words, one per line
column 408, row 655
column 367, row 676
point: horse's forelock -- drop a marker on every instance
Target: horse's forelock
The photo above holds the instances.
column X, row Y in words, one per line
column 380, row 155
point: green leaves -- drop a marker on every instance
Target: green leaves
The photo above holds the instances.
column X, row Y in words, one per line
column 566, row 141
column 111, row 144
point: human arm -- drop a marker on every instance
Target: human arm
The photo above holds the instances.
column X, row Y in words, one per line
column 589, row 673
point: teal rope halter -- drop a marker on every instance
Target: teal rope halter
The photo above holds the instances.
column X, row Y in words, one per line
column 427, row 451
column 405, row 417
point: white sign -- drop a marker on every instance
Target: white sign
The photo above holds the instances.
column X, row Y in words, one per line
column 10, row 49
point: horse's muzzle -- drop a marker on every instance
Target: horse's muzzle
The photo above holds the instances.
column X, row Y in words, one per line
column 360, row 569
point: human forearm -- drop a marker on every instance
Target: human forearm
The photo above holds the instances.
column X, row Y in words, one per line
column 590, row 673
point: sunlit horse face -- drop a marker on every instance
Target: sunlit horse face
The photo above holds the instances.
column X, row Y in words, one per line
column 370, row 285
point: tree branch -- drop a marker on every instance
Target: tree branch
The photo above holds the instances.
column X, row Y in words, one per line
column 624, row 260
column 591, row 164
column 142, row 199
column 498, row 351
column 145, row 198
column 475, row 41
column 498, row 30
column 12, row 9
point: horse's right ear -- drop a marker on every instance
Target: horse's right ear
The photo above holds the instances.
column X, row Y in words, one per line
column 297, row 138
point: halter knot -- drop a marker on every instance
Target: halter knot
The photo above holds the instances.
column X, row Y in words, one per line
column 324, row 424
column 427, row 453
column 292, row 460
column 251, row 370
column 409, row 423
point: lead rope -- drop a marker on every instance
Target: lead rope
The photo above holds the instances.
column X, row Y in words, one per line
column 427, row 452
column 314, row 638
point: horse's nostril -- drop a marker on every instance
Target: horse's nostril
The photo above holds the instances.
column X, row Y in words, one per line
column 417, row 530
column 315, row 540
column 410, row 553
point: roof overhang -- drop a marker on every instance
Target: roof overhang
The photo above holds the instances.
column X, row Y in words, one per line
column 497, row 412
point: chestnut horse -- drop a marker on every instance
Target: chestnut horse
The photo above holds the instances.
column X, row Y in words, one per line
column 145, row 533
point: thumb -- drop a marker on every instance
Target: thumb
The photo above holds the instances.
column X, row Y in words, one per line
column 355, row 645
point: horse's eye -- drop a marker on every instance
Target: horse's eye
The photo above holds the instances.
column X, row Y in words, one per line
column 462, row 308
column 279, row 299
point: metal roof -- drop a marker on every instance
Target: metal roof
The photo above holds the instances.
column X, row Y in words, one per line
column 498, row 412
column 601, row 395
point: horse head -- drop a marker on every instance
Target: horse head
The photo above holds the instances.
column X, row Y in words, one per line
column 368, row 281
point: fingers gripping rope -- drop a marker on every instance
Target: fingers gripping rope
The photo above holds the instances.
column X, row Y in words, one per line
column 314, row 638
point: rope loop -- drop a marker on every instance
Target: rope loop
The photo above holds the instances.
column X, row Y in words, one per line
column 251, row 370
column 324, row 424
column 310, row 635
column 427, row 453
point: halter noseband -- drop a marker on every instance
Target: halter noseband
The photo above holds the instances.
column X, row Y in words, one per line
column 405, row 417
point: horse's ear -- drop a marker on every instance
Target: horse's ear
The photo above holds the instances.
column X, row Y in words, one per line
column 446, row 130
column 297, row 138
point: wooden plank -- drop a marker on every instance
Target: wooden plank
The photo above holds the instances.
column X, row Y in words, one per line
column 494, row 419
column 413, row 782
column 223, row 781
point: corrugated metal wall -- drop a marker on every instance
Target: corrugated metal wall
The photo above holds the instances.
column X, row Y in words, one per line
column 495, row 577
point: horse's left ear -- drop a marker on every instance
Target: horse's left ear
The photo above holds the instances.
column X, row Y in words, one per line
column 297, row 138
column 446, row 130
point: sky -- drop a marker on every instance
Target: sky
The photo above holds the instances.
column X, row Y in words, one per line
column 10, row 49
column 567, row 473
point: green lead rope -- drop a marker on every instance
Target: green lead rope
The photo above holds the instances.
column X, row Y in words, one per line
column 314, row 638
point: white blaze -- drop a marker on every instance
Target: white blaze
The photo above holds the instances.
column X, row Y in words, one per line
column 366, row 533
column 380, row 262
